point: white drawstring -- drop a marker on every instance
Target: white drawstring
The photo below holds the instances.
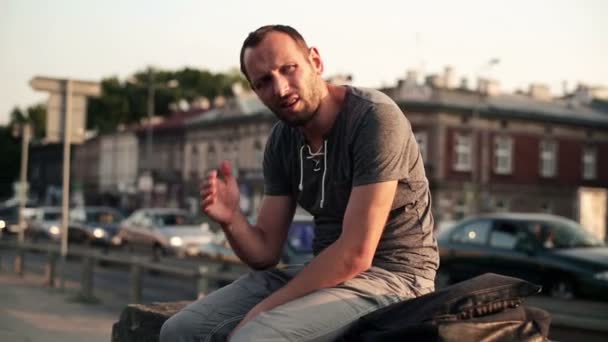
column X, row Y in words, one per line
column 324, row 171
column 300, row 187
column 310, row 156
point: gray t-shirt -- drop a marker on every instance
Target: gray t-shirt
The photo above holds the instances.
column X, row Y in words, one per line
column 371, row 141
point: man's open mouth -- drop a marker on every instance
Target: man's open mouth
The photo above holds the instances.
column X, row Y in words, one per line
column 289, row 104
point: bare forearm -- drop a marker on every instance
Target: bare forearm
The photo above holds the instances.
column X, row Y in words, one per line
column 248, row 242
column 331, row 267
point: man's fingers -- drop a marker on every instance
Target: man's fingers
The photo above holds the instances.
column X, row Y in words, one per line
column 207, row 201
column 226, row 169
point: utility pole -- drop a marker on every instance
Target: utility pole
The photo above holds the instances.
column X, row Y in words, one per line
column 25, row 143
column 65, row 195
column 149, row 132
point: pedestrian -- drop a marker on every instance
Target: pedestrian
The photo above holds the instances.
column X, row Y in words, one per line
column 346, row 155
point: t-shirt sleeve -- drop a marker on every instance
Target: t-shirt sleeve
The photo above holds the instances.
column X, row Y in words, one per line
column 276, row 180
column 383, row 146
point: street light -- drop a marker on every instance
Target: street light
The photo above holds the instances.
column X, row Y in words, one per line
column 476, row 174
column 151, row 85
column 25, row 131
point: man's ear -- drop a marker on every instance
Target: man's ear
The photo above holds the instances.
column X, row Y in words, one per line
column 315, row 60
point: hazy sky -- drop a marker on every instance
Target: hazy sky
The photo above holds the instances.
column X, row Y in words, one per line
column 375, row 41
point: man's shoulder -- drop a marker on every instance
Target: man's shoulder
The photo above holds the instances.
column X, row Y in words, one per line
column 371, row 96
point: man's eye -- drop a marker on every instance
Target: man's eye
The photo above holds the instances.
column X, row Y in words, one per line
column 260, row 83
column 288, row 69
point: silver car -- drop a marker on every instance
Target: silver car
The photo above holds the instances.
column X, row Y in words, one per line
column 45, row 224
column 164, row 231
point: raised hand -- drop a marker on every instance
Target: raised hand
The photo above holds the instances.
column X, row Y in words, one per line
column 220, row 196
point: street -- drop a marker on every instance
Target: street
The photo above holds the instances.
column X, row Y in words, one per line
column 30, row 306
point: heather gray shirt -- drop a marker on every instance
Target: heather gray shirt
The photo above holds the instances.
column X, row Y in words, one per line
column 371, row 141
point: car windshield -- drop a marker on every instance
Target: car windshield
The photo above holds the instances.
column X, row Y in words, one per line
column 174, row 219
column 563, row 234
column 103, row 216
column 51, row 216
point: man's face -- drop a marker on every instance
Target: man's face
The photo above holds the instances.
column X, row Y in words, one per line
column 286, row 77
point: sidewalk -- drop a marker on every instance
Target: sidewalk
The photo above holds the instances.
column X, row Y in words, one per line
column 34, row 313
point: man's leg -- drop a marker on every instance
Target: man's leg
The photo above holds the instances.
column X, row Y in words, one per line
column 213, row 317
column 326, row 314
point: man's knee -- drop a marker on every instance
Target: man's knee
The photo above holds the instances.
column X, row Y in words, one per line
column 183, row 326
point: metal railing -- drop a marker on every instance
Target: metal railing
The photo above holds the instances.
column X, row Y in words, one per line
column 207, row 273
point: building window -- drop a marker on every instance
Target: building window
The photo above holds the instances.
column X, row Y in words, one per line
column 503, row 155
column 548, row 158
column 460, row 209
column 422, row 140
column 462, row 152
column 589, row 163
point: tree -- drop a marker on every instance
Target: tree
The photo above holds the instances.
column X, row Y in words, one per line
column 35, row 115
column 126, row 102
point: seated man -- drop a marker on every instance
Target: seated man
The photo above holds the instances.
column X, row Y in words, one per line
column 346, row 155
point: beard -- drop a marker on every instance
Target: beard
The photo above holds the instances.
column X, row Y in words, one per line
column 309, row 99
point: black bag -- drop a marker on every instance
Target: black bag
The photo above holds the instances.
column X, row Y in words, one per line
column 485, row 308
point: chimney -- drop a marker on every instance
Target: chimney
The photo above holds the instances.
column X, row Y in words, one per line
column 464, row 83
column 434, row 81
column 411, row 77
column 539, row 91
column 488, row 87
column 449, row 79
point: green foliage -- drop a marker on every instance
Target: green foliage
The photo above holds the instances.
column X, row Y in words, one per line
column 35, row 115
column 126, row 102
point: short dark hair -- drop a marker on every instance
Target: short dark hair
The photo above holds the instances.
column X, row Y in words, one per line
column 254, row 38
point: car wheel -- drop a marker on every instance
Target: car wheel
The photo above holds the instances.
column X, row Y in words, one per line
column 562, row 289
column 442, row 279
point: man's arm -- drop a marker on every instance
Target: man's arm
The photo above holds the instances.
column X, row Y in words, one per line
column 259, row 245
column 352, row 253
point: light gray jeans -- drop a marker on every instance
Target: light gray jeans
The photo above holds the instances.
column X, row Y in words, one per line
column 323, row 315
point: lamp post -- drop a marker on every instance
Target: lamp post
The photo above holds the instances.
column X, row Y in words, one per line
column 477, row 177
column 23, row 130
column 151, row 86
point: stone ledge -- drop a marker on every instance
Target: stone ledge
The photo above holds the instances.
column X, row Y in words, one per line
column 142, row 322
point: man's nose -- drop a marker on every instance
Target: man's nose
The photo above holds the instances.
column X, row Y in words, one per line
column 281, row 86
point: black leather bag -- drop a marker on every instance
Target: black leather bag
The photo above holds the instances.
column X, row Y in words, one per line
column 485, row 308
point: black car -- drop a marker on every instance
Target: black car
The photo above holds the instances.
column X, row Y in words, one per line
column 549, row 250
column 95, row 226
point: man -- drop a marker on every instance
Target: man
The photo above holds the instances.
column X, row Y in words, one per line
column 347, row 156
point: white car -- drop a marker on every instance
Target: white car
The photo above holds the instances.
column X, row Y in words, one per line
column 164, row 231
column 45, row 223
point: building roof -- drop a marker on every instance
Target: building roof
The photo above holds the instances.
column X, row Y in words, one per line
column 503, row 105
column 247, row 105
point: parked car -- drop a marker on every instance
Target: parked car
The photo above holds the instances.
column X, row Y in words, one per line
column 549, row 250
column 45, row 224
column 9, row 221
column 298, row 247
column 95, row 226
column 164, row 231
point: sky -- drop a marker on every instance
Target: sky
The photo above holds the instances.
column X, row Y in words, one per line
column 548, row 42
